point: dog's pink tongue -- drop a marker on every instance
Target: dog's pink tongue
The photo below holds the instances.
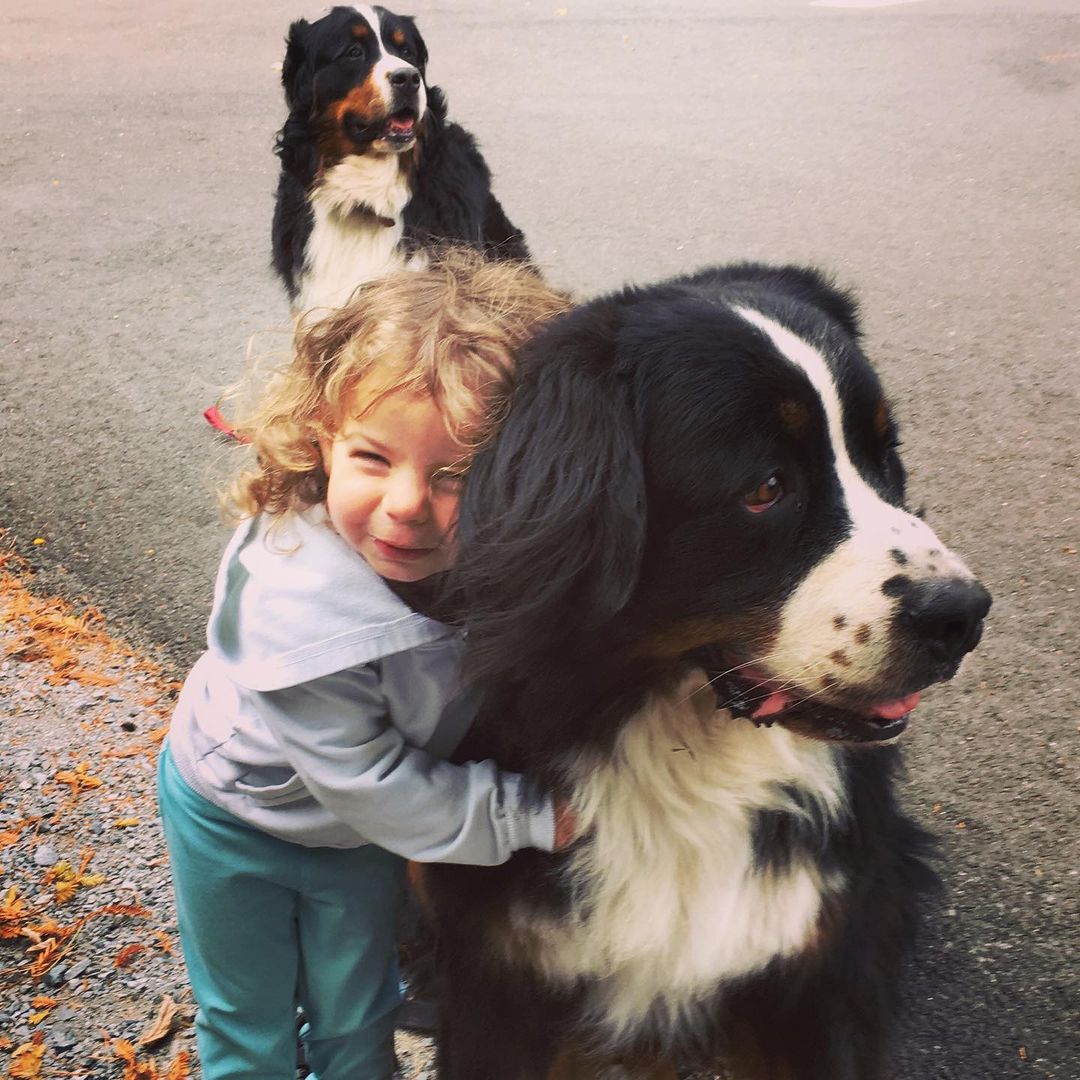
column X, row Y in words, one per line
column 776, row 702
column 893, row 710
column 401, row 124
column 779, row 700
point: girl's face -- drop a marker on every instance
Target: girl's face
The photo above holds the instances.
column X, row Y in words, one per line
column 394, row 478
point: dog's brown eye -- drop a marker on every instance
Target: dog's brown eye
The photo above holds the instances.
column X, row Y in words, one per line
column 355, row 52
column 764, row 495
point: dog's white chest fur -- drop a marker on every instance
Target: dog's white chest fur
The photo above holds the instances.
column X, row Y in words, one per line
column 670, row 901
column 349, row 244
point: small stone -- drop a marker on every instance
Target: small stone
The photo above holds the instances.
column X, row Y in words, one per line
column 62, row 1039
column 45, row 855
column 55, row 976
column 78, row 969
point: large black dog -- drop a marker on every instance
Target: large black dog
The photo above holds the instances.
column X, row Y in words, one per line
column 372, row 173
column 700, row 610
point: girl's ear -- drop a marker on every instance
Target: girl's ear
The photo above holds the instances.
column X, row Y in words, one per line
column 552, row 519
column 326, row 450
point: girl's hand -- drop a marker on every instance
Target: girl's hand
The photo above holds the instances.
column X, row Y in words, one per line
column 565, row 825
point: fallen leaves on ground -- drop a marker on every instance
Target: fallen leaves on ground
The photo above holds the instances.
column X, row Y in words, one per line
column 146, row 1069
column 26, row 1060
column 50, row 647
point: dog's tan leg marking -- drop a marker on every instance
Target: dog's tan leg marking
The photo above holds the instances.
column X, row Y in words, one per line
column 571, row 1065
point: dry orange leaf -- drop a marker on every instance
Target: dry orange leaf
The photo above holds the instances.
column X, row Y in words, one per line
column 178, row 1069
column 12, row 912
column 79, row 778
column 26, row 1060
column 66, row 882
column 126, row 823
column 164, row 942
column 126, row 752
column 133, row 1068
column 163, row 1024
column 127, row 954
column 48, row 952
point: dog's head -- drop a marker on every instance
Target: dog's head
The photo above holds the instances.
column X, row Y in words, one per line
column 707, row 471
column 357, row 75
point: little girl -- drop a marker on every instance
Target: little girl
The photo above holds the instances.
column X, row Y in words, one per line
column 305, row 762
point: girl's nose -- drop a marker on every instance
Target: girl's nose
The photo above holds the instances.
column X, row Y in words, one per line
column 406, row 498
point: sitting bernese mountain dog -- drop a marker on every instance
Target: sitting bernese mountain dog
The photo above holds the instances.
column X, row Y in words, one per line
column 372, row 173
column 699, row 609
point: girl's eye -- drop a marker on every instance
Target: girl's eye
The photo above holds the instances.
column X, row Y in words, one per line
column 766, row 494
column 448, row 481
column 369, row 457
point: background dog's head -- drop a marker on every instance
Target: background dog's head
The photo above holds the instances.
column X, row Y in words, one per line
column 707, row 470
column 357, row 74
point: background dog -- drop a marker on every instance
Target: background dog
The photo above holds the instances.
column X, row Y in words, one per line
column 699, row 608
column 372, row 173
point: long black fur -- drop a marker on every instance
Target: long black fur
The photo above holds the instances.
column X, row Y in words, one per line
column 601, row 517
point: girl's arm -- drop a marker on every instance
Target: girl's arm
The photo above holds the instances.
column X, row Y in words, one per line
column 335, row 733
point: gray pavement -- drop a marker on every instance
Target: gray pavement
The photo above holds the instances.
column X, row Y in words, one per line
column 926, row 152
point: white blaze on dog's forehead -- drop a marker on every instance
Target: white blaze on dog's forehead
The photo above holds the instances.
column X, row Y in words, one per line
column 866, row 508
column 371, row 17
column 388, row 62
column 858, row 494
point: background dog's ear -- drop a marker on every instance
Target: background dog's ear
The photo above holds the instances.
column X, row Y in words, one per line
column 294, row 62
column 552, row 519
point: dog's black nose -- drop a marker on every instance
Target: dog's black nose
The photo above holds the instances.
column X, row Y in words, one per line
column 946, row 616
column 406, row 78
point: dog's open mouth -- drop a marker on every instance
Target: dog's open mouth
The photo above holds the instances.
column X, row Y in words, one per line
column 400, row 127
column 752, row 694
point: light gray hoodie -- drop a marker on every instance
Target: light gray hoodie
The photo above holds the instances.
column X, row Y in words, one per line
column 323, row 709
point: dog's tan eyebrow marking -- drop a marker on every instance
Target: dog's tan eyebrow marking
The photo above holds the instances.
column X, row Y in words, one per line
column 795, row 418
column 361, row 30
column 862, row 634
column 398, row 37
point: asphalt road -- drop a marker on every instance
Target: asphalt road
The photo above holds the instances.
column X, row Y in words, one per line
column 926, row 152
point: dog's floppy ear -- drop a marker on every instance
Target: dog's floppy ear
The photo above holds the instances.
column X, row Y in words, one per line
column 552, row 519
column 294, row 64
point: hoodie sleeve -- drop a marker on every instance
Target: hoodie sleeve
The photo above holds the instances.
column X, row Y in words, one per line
column 335, row 732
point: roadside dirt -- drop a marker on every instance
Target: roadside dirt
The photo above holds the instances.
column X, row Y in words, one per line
column 92, row 985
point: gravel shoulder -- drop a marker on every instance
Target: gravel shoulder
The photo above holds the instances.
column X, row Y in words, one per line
column 92, row 986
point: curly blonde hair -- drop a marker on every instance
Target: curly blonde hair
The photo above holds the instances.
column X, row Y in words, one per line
column 449, row 331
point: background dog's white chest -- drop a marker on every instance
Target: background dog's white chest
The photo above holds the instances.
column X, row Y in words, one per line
column 671, row 902
column 350, row 240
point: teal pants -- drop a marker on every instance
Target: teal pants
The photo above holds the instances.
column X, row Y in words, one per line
column 265, row 926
